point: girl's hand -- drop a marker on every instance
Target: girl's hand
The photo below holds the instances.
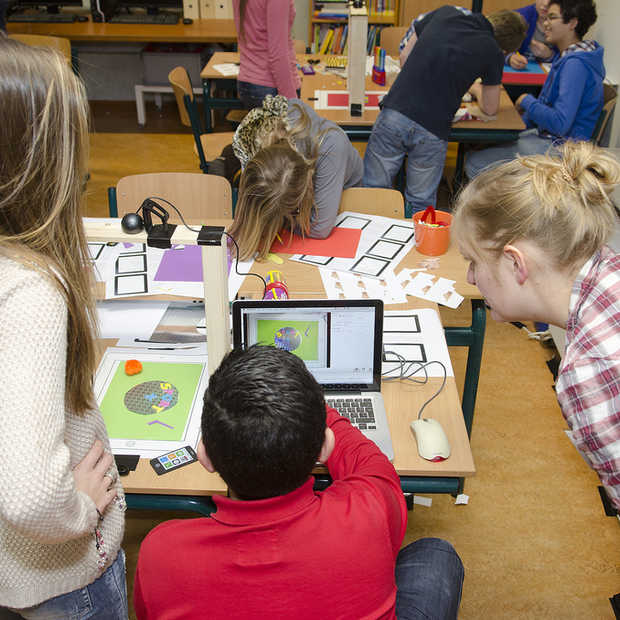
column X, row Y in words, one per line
column 91, row 477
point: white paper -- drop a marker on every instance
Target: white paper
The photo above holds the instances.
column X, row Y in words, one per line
column 227, row 68
column 420, row 500
column 415, row 335
column 125, row 318
column 342, row 285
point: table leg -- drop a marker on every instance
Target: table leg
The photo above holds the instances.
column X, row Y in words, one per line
column 140, row 110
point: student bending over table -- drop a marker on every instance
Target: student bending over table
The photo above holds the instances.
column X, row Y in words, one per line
column 572, row 96
column 534, row 231
column 442, row 54
column 534, row 45
column 61, row 504
column 276, row 548
column 268, row 65
column 295, row 166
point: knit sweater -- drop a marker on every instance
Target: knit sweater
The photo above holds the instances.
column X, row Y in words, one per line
column 47, row 526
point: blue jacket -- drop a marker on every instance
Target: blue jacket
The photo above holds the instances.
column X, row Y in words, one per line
column 572, row 97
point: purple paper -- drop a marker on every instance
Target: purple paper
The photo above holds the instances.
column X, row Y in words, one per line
column 182, row 265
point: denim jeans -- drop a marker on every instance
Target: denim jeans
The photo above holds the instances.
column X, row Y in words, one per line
column 104, row 599
column 252, row 95
column 393, row 136
column 429, row 581
column 529, row 143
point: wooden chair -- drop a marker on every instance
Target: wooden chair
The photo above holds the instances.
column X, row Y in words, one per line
column 36, row 40
column 373, row 201
column 197, row 196
column 207, row 146
column 609, row 103
column 390, row 39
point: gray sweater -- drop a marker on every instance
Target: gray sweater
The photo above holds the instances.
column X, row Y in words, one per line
column 339, row 166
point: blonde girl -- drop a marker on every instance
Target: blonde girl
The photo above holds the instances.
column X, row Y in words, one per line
column 61, row 505
column 535, row 231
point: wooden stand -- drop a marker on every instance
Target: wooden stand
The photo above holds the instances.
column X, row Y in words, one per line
column 356, row 62
column 215, row 279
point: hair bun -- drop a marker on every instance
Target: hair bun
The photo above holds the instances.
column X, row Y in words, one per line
column 589, row 169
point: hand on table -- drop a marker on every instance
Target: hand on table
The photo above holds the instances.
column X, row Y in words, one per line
column 519, row 101
column 91, row 476
column 517, row 61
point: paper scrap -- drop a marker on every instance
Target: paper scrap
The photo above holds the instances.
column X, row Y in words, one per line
column 227, row 68
column 420, row 500
column 461, row 498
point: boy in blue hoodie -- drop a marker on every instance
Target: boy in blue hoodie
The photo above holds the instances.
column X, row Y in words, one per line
column 572, row 97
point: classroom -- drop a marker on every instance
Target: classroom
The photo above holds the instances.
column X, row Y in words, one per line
column 210, row 225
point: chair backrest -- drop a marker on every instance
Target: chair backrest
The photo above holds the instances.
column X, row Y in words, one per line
column 181, row 86
column 390, row 39
column 37, row 40
column 195, row 195
column 373, row 201
column 609, row 102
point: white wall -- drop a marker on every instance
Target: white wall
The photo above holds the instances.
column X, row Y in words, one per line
column 302, row 19
column 606, row 31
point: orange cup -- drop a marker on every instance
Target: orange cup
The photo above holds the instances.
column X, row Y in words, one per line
column 430, row 239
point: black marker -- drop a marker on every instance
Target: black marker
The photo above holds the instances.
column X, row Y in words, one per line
column 313, row 98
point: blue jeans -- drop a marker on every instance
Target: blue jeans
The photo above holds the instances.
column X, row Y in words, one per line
column 529, row 143
column 252, row 95
column 429, row 581
column 393, row 136
column 104, row 599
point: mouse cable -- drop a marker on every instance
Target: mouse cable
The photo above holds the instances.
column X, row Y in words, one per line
column 240, row 273
column 406, row 372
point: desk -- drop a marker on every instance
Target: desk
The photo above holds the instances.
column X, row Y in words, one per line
column 188, row 487
column 201, row 31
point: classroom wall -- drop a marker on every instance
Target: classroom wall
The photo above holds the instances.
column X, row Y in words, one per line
column 302, row 20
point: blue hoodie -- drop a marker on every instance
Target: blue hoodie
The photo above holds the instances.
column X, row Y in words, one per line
column 572, row 97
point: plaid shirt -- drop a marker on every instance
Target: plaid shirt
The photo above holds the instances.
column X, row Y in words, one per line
column 588, row 385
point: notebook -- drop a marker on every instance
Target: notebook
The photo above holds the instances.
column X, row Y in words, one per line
column 340, row 341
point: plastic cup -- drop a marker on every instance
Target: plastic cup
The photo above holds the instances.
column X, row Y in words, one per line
column 430, row 239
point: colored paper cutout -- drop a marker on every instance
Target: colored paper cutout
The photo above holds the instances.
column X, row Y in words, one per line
column 341, row 243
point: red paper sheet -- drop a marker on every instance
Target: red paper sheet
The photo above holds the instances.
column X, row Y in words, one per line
column 339, row 100
column 341, row 243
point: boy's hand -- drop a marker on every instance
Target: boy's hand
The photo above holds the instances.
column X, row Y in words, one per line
column 540, row 50
column 519, row 101
column 517, row 61
column 91, row 476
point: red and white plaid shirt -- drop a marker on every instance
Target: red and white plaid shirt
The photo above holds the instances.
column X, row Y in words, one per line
column 588, row 385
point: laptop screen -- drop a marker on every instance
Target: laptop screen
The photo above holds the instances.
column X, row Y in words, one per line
column 339, row 340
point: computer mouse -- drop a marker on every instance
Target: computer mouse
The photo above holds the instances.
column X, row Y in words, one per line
column 82, row 18
column 433, row 445
column 188, row 20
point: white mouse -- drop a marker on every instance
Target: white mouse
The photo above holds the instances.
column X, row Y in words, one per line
column 433, row 445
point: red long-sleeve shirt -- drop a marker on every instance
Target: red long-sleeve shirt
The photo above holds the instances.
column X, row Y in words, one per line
column 266, row 52
column 307, row 554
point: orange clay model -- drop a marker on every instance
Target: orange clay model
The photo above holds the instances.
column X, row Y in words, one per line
column 133, row 367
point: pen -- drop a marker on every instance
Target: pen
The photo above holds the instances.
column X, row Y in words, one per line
column 279, row 238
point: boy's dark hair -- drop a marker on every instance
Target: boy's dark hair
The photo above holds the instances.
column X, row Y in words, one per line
column 584, row 11
column 509, row 29
column 263, row 421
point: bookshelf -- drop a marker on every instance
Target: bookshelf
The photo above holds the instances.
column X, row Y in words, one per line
column 327, row 29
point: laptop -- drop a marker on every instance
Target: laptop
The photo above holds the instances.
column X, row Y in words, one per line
column 340, row 341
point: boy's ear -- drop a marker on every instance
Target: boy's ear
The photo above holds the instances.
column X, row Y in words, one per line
column 203, row 457
column 328, row 445
column 517, row 261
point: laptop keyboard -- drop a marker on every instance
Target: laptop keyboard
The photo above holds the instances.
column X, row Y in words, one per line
column 358, row 410
column 56, row 18
column 144, row 18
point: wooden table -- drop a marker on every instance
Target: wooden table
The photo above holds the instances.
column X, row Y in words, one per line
column 188, row 487
column 200, row 31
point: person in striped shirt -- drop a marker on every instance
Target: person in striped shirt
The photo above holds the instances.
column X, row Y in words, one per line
column 534, row 231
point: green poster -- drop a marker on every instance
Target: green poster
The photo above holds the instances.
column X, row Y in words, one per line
column 154, row 404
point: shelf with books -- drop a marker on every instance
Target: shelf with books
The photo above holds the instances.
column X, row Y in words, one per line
column 329, row 20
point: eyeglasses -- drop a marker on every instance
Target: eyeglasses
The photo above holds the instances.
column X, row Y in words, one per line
column 550, row 18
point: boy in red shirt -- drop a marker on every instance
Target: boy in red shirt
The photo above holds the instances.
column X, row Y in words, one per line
column 276, row 548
